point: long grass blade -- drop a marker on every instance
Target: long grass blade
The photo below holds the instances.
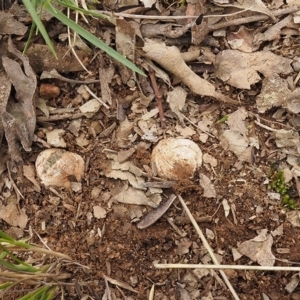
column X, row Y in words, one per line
column 36, row 19
column 91, row 38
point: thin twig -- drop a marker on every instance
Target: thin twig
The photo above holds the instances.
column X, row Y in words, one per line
column 97, row 98
column 277, row 13
column 61, row 117
column 56, row 75
column 206, row 245
column 17, row 191
column 158, row 97
column 226, row 267
column 251, row 19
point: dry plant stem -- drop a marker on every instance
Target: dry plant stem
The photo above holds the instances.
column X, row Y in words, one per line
column 18, row 193
column 206, row 245
column 61, row 117
column 277, row 13
column 92, row 94
column 39, row 250
column 158, row 97
column 56, row 75
column 226, row 267
column 246, row 20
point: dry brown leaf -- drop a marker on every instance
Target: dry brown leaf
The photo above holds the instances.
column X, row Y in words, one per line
column 253, row 5
column 19, row 118
column 242, row 40
column 133, row 196
column 272, row 32
column 13, row 215
column 9, row 25
column 29, row 173
column 241, row 69
column 171, row 59
column 157, row 213
column 259, row 249
column 208, row 188
column 125, row 43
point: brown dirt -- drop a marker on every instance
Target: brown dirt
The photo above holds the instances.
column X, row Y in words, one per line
column 126, row 253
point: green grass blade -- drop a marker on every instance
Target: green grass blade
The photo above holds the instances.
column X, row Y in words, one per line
column 36, row 19
column 5, row 285
column 92, row 39
column 86, row 12
column 36, row 294
column 6, row 236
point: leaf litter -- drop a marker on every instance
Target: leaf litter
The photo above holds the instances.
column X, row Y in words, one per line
column 238, row 143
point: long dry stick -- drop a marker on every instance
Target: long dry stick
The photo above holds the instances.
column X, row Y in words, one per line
column 225, row 267
column 240, row 21
column 206, row 245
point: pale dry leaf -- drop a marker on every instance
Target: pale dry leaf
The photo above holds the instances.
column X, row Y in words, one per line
column 274, row 93
column 91, row 106
column 10, row 26
column 185, row 131
column 272, row 32
column 236, row 121
column 121, row 284
column 259, row 249
column 286, row 138
column 29, row 173
column 210, row 234
column 278, row 231
column 242, row 40
column 134, row 181
column 208, row 188
column 150, row 114
column 106, row 73
column 183, row 246
column 236, row 254
column 125, row 44
column 133, row 196
column 209, row 159
column 42, row 105
column 293, row 216
column 13, row 215
column 82, row 141
column 148, row 3
column 293, row 283
column 241, row 69
column 55, row 138
column 124, row 130
column 176, row 99
column 184, row 294
column 226, row 207
column 236, row 143
column 99, row 212
column 18, row 117
column 253, row 5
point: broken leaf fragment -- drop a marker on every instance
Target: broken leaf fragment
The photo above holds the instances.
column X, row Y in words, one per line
column 241, row 69
column 259, row 249
column 57, row 167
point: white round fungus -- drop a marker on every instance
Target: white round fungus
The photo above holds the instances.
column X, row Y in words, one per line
column 176, row 158
column 58, row 167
